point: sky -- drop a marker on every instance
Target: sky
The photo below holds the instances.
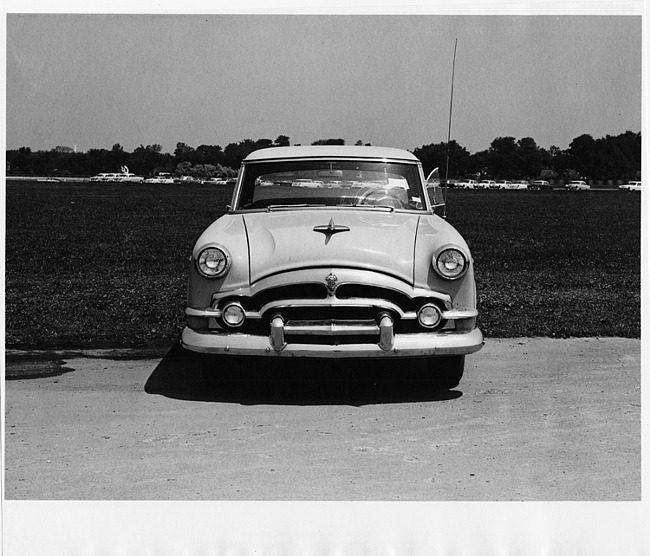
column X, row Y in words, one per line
column 93, row 80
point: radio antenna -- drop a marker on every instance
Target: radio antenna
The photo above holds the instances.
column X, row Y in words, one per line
column 451, row 105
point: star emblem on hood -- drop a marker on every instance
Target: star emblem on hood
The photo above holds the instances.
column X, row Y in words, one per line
column 331, row 228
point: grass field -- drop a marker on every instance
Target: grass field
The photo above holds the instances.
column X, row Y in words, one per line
column 96, row 264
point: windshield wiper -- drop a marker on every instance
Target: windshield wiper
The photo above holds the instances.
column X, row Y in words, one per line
column 271, row 208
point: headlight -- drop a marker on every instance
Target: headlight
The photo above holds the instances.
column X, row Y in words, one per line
column 213, row 262
column 451, row 264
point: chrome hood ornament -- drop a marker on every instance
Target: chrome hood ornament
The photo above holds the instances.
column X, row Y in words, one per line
column 331, row 228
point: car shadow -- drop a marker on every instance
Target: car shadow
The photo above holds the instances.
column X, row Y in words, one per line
column 294, row 381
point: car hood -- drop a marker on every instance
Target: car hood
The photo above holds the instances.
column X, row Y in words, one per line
column 368, row 239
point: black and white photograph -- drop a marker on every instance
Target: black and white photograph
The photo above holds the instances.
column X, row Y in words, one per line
column 326, row 279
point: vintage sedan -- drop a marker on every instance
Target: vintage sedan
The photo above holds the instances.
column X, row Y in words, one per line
column 359, row 267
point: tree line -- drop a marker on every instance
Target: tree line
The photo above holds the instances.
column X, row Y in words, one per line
column 608, row 158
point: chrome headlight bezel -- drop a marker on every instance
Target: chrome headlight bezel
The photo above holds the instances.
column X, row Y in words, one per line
column 451, row 263
column 240, row 314
column 434, row 311
column 208, row 256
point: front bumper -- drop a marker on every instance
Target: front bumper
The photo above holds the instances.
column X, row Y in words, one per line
column 401, row 345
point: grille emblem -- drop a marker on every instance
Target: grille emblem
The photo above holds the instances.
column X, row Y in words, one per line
column 330, row 281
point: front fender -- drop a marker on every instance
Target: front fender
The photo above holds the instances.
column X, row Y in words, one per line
column 434, row 234
column 229, row 232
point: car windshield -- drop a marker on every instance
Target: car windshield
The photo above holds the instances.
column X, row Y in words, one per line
column 341, row 183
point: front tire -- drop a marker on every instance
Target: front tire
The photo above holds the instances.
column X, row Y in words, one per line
column 445, row 372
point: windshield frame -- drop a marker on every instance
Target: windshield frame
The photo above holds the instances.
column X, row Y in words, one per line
column 243, row 184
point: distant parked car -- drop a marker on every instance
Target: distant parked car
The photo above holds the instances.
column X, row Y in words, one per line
column 188, row 180
column 215, row 181
column 540, row 184
column 519, row 184
column 486, row 184
column 503, row 184
column 466, row 184
column 159, row 179
column 577, row 185
column 631, row 186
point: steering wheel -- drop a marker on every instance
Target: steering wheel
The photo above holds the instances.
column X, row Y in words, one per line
column 383, row 197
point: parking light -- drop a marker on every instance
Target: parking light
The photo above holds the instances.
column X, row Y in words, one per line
column 233, row 315
column 429, row 316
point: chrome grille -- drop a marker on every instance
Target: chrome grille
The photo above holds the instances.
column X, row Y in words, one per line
column 365, row 291
column 292, row 291
column 310, row 309
column 298, row 296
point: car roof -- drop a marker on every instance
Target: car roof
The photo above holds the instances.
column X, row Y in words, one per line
column 330, row 151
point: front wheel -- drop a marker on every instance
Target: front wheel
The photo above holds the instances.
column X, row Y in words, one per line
column 445, row 372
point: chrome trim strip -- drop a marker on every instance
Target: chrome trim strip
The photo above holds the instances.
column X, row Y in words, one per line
column 207, row 312
column 456, row 314
column 346, row 275
column 331, row 302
